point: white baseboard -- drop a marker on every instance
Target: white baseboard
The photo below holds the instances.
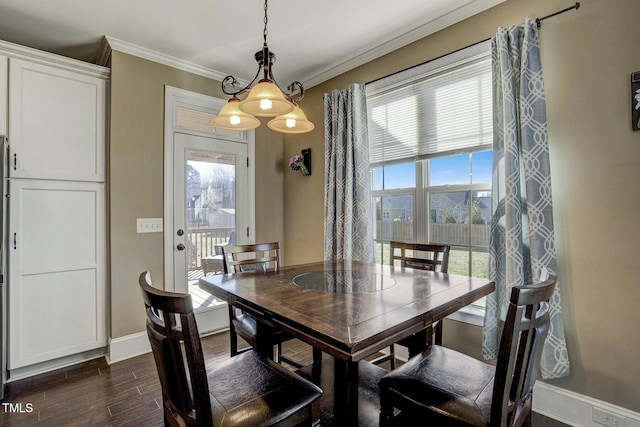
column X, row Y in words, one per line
column 133, row 345
column 576, row 409
column 52, row 365
column 128, row 346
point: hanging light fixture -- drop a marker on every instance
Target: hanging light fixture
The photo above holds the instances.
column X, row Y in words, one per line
column 231, row 117
column 293, row 122
column 265, row 98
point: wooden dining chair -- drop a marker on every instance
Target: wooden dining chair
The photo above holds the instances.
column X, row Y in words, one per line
column 255, row 258
column 243, row 258
column 445, row 387
column 420, row 256
column 423, row 256
column 244, row 390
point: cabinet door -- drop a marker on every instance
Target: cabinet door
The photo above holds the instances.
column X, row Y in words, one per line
column 57, row 123
column 57, row 258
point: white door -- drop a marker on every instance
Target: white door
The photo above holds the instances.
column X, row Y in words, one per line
column 211, row 208
column 57, row 281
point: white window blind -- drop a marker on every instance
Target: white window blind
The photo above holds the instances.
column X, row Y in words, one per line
column 439, row 108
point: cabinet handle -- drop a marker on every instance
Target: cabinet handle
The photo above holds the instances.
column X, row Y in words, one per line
column 15, row 161
column 15, row 241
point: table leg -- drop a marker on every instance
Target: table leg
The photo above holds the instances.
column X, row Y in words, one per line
column 346, row 392
column 418, row 342
column 264, row 340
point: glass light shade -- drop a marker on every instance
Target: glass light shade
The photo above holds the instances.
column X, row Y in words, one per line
column 293, row 122
column 232, row 118
column 266, row 100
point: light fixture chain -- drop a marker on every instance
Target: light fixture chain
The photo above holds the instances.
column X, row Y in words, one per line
column 266, row 20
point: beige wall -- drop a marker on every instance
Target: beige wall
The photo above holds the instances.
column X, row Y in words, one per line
column 136, row 179
column 269, row 186
column 587, row 56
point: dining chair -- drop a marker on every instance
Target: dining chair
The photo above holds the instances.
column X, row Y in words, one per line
column 421, row 256
column 449, row 388
column 244, row 390
column 254, row 258
column 243, row 258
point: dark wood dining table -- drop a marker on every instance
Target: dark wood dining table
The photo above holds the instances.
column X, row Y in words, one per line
column 349, row 310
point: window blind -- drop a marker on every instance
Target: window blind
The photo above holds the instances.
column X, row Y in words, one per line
column 433, row 111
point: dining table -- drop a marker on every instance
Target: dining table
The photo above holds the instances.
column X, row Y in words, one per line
column 349, row 310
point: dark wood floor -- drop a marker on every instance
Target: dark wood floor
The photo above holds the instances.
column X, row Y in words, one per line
column 126, row 393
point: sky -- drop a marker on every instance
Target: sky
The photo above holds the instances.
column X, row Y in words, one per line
column 443, row 171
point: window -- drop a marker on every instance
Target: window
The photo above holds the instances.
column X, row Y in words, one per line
column 430, row 136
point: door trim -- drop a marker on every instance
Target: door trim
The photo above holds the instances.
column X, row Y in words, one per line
column 174, row 99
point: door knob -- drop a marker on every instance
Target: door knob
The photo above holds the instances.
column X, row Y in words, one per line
column 180, row 232
column 180, row 247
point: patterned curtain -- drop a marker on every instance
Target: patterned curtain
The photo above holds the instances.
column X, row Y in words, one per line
column 522, row 244
column 347, row 219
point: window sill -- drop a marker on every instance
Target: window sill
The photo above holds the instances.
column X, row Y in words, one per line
column 473, row 315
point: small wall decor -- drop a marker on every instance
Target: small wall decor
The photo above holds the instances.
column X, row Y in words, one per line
column 635, row 100
column 301, row 162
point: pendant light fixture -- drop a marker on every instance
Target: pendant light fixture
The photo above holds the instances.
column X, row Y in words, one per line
column 293, row 122
column 265, row 98
column 231, row 117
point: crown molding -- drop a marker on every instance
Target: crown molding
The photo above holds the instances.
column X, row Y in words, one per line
column 104, row 53
column 13, row 50
column 397, row 41
column 110, row 44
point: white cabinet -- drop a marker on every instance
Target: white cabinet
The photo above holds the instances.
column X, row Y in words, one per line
column 57, row 257
column 57, row 123
column 54, row 113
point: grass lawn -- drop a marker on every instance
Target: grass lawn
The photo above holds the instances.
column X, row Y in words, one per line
column 458, row 260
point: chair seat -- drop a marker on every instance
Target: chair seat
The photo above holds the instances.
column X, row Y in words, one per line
column 246, row 391
column 450, row 382
column 247, row 326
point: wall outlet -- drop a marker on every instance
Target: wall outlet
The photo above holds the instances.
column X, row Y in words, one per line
column 606, row 418
column 149, row 225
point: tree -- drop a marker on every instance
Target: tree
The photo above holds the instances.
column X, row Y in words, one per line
column 476, row 214
column 193, row 177
column 449, row 218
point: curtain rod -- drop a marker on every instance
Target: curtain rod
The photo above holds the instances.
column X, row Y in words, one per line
column 551, row 15
column 576, row 6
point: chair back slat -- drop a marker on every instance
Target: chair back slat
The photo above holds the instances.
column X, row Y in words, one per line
column 242, row 258
column 171, row 326
column 525, row 331
column 422, row 256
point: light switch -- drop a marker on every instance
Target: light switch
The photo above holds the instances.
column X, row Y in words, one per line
column 149, row 225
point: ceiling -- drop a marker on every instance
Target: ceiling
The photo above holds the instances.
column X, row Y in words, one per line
column 313, row 40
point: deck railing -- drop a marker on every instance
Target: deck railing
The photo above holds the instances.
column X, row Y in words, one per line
column 201, row 242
